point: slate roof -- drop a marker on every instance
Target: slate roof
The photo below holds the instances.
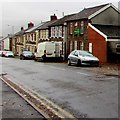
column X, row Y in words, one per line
column 61, row 20
column 46, row 25
column 86, row 12
column 19, row 33
column 111, row 31
column 34, row 28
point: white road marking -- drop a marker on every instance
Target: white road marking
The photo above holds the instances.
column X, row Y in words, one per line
column 110, row 78
column 57, row 68
column 83, row 73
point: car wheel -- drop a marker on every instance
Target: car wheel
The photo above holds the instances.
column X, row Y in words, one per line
column 35, row 59
column 69, row 62
column 23, row 58
column 78, row 63
column 20, row 58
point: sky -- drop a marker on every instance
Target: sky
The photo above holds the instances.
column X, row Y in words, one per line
column 15, row 14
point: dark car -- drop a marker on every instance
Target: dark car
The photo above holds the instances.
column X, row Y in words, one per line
column 81, row 57
column 26, row 55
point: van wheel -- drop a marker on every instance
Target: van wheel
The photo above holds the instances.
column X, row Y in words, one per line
column 69, row 62
column 43, row 58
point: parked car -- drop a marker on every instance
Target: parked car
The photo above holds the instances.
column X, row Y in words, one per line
column 81, row 57
column 9, row 54
column 26, row 55
column 2, row 53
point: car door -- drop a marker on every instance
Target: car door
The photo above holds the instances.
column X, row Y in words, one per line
column 75, row 58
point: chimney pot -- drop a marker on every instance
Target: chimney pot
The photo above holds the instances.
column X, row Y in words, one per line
column 53, row 17
column 30, row 25
column 22, row 28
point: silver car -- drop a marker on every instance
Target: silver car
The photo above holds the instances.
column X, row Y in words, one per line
column 81, row 57
column 9, row 54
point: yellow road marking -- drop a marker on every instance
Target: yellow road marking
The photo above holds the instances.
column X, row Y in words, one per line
column 67, row 114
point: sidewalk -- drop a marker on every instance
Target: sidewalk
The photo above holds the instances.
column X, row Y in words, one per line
column 12, row 106
column 109, row 69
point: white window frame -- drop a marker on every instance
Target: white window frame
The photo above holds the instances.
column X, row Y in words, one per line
column 90, row 47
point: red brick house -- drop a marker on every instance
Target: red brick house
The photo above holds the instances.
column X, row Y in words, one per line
column 81, row 34
column 104, row 42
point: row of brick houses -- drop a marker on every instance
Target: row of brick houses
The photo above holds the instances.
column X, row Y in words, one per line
column 95, row 29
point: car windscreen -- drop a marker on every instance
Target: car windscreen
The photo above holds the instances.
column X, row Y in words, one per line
column 9, row 52
column 27, row 52
column 85, row 53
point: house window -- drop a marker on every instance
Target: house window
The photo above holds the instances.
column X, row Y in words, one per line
column 118, row 48
column 52, row 32
column 75, row 45
column 60, row 31
column 90, row 47
column 56, row 31
column 81, row 45
column 82, row 27
column 31, row 36
column 71, row 28
column 76, row 24
column 34, row 37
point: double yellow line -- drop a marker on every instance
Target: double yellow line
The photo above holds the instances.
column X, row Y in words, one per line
column 49, row 111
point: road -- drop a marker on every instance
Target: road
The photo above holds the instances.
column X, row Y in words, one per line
column 78, row 90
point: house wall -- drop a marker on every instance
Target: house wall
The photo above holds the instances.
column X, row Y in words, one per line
column 7, row 44
column 1, row 44
column 77, row 37
column 44, row 35
column 14, row 47
column 99, row 44
column 109, row 16
column 37, row 37
column 113, row 50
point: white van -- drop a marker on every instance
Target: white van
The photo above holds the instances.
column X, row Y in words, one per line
column 47, row 50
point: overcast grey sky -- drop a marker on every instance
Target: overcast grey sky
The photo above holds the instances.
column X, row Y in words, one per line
column 18, row 13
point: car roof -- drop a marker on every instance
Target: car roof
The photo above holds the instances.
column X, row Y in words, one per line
column 80, row 50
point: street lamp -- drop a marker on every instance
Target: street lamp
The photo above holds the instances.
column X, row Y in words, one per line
column 65, row 40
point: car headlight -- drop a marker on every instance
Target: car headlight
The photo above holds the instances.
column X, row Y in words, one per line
column 84, row 59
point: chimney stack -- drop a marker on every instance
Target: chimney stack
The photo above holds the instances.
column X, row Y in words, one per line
column 53, row 17
column 30, row 25
column 22, row 28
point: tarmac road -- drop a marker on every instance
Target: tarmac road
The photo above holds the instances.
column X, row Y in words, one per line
column 13, row 106
column 78, row 90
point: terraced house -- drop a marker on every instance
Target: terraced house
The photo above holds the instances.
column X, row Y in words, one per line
column 86, row 30
column 58, row 32
column 19, row 40
column 44, row 30
column 31, row 38
column 95, row 29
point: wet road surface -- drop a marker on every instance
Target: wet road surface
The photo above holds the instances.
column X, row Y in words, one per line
column 76, row 89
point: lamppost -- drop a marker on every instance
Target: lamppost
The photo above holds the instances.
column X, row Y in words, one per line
column 65, row 40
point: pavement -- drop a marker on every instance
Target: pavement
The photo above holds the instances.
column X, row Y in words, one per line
column 12, row 106
column 108, row 69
